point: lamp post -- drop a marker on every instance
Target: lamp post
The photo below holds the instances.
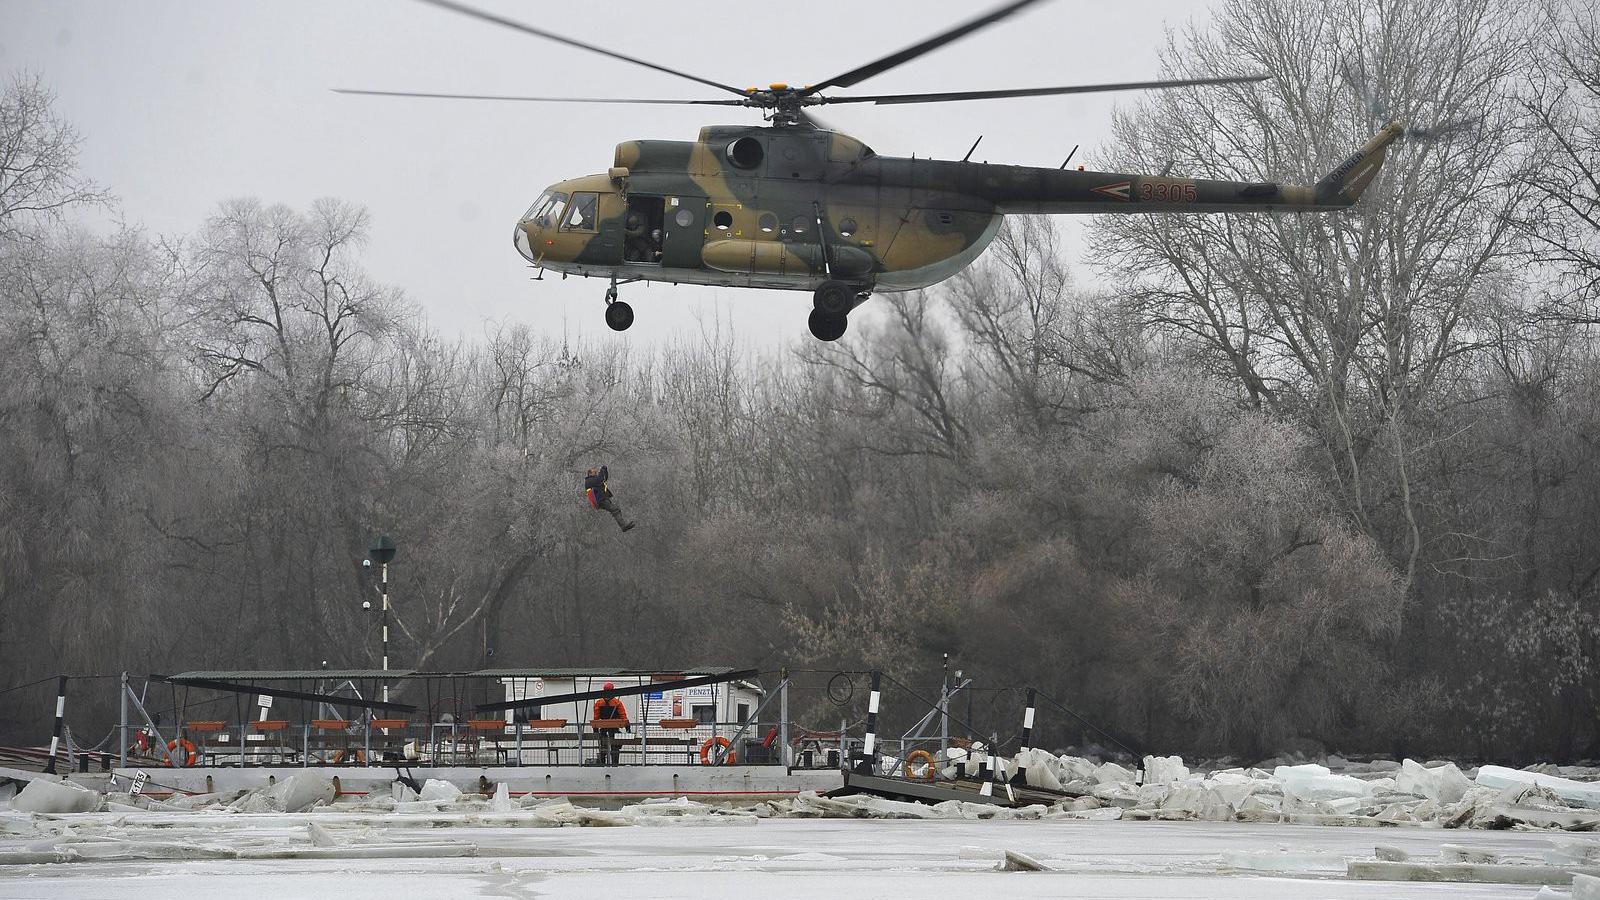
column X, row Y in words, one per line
column 381, row 551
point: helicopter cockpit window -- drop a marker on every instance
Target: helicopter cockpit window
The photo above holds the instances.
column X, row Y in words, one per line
column 546, row 210
column 537, row 205
column 581, row 215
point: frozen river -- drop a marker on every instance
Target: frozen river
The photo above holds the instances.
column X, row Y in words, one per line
column 838, row 859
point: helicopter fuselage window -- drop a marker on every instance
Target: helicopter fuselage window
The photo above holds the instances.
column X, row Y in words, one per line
column 581, row 214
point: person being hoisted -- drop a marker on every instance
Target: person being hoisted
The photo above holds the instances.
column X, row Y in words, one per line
column 610, row 716
column 599, row 496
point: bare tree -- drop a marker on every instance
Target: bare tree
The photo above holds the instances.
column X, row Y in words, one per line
column 1350, row 319
column 39, row 176
column 1562, row 99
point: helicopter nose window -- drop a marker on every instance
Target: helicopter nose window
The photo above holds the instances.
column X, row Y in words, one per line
column 723, row 220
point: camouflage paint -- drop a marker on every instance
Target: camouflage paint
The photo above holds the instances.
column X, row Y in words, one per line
column 908, row 223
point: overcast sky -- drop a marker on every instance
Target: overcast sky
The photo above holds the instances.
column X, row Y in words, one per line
column 184, row 104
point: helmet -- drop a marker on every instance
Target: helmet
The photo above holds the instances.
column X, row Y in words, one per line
column 609, row 687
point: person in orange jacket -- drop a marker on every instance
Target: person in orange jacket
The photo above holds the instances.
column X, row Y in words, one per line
column 610, row 717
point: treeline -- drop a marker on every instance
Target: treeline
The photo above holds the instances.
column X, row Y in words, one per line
column 1285, row 481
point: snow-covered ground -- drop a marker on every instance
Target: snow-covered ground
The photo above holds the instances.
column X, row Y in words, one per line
column 834, row 858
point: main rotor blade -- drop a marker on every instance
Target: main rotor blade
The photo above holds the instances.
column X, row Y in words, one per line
column 949, row 96
column 857, row 75
column 537, row 99
column 570, row 42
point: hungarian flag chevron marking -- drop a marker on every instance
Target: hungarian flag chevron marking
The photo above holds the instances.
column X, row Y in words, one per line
column 1121, row 190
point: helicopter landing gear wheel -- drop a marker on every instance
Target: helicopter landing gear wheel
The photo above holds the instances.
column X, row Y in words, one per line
column 619, row 315
column 834, row 299
column 825, row 327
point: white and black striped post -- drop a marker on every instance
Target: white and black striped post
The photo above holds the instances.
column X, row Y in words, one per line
column 61, row 715
column 383, row 588
column 382, row 551
column 868, row 764
column 1020, row 779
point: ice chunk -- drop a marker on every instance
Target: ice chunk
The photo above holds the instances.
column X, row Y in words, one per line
column 1312, row 783
column 1075, row 768
column 1585, row 887
column 437, row 790
column 1483, row 873
column 1444, row 784
column 1021, row 862
column 1232, row 792
column 1195, row 802
column 1119, row 793
column 1111, row 773
column 1164, row 769
column 1458, row 853
column 881, row 808
column 320, row 836
column 1576, row 793
column 46, row 795
column 1105, row 814
column 300, row 791
column 1040, row 767
column 1586, row 853
column 1343, row 806
column 1282, row 860
column 502, row 798
column 1390, row 854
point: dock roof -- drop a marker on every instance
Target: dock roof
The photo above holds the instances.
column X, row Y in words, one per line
column 394, row 674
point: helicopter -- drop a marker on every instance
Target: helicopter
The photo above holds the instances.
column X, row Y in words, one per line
column 794, row 205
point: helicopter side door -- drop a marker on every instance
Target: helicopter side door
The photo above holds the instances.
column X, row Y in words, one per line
column 685, row 225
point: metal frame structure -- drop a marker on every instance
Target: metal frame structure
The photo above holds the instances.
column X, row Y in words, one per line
column 450, row 741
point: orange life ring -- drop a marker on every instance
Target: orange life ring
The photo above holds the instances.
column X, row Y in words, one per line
column 342, row 755
column 705, row 751
column 920, row 756
column 188, row 750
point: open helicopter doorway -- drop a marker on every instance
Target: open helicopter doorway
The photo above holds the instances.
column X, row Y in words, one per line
column 642, row 230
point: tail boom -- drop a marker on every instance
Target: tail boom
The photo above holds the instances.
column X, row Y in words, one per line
column 1050, row 191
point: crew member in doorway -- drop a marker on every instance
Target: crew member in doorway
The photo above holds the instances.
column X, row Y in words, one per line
column 599, row 495
column 610, row 717
column 635, row 242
